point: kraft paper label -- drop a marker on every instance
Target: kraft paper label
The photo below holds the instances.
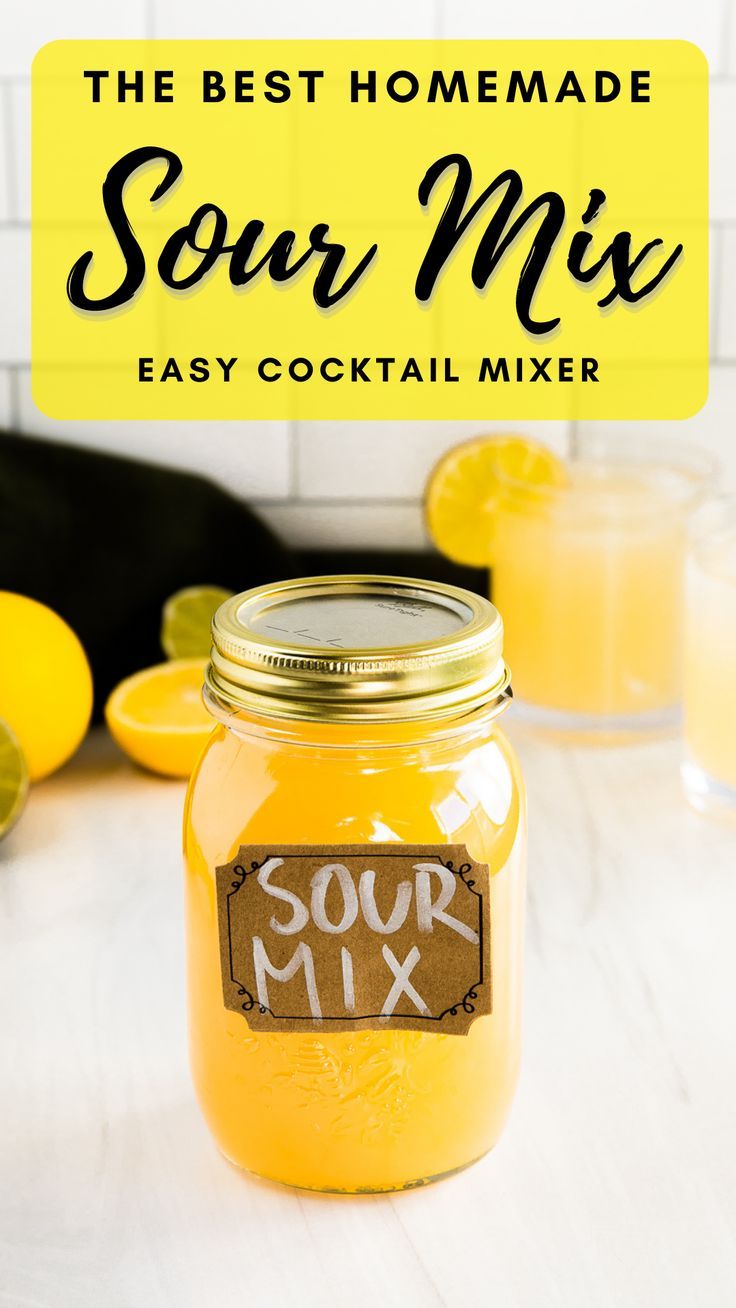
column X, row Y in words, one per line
column 323, row 938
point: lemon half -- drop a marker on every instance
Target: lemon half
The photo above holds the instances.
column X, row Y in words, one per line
column 158, row 719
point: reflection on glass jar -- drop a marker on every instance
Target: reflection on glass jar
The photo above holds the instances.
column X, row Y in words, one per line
column 392, row 744
column 588, row 577
column 709, row 768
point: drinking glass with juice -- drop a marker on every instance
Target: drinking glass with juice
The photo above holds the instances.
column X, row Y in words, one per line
column 709, row 766
column 586, row 558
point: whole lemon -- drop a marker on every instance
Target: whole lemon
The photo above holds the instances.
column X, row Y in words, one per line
column 45, row 683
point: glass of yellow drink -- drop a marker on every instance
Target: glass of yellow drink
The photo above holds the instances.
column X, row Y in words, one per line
column 709, row 766
column 587, row 574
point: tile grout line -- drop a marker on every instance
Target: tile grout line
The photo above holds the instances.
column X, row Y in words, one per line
column 438, row 19
column 726, row 22
column 11, row 170
column 149, row 20
column 14, row 388
column 294, row 470
column 714, row 325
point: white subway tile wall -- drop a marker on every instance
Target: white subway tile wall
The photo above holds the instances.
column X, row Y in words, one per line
column 6, row 164
column 252, row 458
column 15, row 293
column 713, row 429
column 723, row 150
column 6, row 407
column 380, row 525
column 327, row 19
column 18, row 133
column 33, row 25
column 387, row 460
column 349, row 484
column 726, row 298
column 570, row 20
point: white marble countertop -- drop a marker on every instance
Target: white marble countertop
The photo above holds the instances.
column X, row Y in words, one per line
column 614, row 1184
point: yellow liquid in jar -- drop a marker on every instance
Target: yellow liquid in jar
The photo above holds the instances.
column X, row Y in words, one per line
column 364, row 1110
column 710, row 663
column 589, row 585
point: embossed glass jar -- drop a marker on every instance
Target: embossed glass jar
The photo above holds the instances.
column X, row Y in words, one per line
column 355, row 849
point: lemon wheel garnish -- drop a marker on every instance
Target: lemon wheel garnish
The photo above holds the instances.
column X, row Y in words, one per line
column 465, row 488
column 13, row 780
column 186, row 620
column 158, row 718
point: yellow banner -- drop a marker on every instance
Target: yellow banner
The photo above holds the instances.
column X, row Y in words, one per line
column 453, row 229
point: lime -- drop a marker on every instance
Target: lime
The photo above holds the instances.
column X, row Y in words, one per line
column 13, row 779
column 186, row 619
column 466, row 486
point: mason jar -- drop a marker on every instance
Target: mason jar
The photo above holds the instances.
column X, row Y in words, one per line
column 355, row 852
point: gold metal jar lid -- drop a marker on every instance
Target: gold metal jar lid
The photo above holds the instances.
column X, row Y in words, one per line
column 352, row 648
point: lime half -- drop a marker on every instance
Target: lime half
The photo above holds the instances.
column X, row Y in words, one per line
column 186, row 620
column 13, row 779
